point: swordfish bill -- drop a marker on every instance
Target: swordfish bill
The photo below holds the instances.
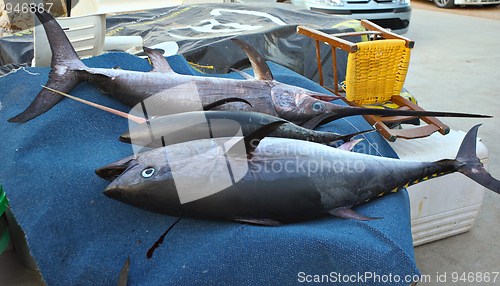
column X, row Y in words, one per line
column 164, row 89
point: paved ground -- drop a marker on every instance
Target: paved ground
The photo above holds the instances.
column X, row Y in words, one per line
column 474, row 11
column 454, row 67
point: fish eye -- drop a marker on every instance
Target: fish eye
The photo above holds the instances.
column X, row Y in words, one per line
column 318, row 106
column 148, row 172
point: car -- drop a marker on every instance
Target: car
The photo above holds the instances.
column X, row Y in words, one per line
column 390, row 14
column 453, row 3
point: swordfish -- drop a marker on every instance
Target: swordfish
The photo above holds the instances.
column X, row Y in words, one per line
column 167, row 90
column 275, row 181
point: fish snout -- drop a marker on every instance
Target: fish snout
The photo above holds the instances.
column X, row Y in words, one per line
column 125, row 137
column 116, row 191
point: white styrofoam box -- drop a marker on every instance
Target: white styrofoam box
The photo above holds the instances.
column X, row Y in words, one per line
column 447, row 205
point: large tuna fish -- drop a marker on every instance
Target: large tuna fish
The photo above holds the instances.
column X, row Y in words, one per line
column 278, row 181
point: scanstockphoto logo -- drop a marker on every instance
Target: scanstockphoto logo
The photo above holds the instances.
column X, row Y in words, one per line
column 300, row 158
column 193, row 175
column 321, row 165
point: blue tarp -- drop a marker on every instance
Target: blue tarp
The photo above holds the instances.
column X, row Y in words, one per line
column 80, row 237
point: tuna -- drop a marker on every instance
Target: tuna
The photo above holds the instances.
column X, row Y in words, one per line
column 271, row 181
column 183, row 127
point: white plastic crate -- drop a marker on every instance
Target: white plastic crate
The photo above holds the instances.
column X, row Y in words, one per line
column 444, row 206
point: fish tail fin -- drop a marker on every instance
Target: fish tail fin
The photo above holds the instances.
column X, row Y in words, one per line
column 66, row 70
column 471, row 166
column 63, row 52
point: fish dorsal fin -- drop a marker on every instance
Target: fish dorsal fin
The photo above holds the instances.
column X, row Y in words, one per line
column 160, row 64
column 348, row 213
column 243, row 74
column 259, row 65
column 253, row 139
column 224, row 101
column 321, row 120
column 348, row 137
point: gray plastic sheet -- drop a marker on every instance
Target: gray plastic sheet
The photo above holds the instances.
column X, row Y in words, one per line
column 201, row 34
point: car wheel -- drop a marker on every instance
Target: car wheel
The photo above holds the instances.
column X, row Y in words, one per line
column 444, row 3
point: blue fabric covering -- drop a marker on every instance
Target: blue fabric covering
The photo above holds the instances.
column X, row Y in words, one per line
column 80, row 237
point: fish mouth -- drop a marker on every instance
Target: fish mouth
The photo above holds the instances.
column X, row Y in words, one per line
column 125, row 137
column 322, row 96
column 114, row 170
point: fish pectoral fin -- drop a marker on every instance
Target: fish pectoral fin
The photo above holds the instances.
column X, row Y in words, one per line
column 253, row 139
column 224, row 101
column 259, row 65
column 349, row 145
column 160, row 64
column 266, row 222
column 243, row 74
column 348, row 137
column 348, row 213
column 317, row 121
